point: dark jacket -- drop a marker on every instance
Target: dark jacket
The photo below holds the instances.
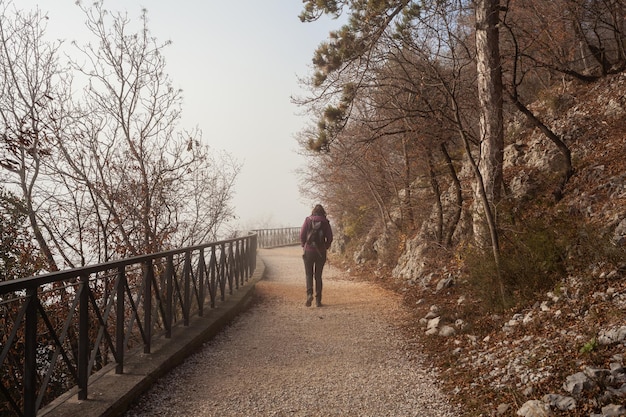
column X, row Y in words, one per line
column 306, row 226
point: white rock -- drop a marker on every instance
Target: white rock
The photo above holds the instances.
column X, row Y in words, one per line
column 576, row 383
column 560, row 402
column 534, row 408
column 527, row 318
column 613, row 410
column 433, row 323
column 447, row 331
column 615, row 335
column 431, row 315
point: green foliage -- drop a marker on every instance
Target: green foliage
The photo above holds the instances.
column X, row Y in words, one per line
column 355, row 223
column 536, row 254
column 333, row 114
column 589, row 347
column 330, row 125
column 314, row 9
column 532, row 260
column 343, row 47
column 404, row 27
column 585, row 244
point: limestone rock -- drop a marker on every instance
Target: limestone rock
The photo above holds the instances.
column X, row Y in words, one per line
column 577, row 383
column 447, row 331
column 560, row 402
column 534, row 408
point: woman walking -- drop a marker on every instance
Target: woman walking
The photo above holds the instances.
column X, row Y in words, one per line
column 316, row 236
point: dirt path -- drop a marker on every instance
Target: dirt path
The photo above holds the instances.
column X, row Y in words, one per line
column 281, row 358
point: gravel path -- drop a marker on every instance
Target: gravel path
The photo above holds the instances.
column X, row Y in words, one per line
column 281, row 358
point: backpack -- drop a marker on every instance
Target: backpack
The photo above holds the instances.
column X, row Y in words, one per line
column 315, row 236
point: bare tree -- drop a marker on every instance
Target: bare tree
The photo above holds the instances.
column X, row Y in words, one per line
column 109, row 176
column 129, row 91
column 30, row 80
column 141, row 174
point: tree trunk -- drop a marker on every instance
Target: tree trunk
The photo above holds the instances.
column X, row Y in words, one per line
column 407, row 205
column 27, row 185
column 489, row 74
column 437, row 192
column 454, row 221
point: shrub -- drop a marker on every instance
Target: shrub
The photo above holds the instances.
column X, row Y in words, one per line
column 536, row 254
column 532, row 261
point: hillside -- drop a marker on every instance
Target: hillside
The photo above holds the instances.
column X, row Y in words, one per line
column 528, row 358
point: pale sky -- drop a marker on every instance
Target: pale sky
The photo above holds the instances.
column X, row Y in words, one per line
column 238, row 64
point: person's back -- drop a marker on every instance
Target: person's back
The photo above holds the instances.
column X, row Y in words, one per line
column 318, row 229
column 316, row 236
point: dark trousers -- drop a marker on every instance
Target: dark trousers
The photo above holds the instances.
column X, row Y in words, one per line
column 313, row 266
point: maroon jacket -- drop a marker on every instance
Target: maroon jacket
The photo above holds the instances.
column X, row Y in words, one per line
column 306, row 226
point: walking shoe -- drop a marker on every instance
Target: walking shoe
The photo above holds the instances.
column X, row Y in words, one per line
column 309, row 300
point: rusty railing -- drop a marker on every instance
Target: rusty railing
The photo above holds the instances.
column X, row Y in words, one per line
column 59, row 329
column 269, row 238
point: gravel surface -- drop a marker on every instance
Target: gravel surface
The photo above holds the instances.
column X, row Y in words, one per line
column 280, row 358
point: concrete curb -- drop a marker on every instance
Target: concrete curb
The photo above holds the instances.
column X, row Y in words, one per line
column 110, row 394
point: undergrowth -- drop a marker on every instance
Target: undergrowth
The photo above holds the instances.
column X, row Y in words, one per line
column 536, row 254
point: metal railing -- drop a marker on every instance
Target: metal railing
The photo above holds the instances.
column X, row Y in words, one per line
column 268, row 238
column 59, row 329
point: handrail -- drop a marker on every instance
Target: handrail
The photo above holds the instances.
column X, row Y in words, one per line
column 58, row 329
column 268, row 238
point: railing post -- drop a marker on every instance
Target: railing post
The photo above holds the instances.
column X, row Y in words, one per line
column 253, row 251
column 245, row 244
column 169, row 298
column 120, row 319
column 147, row 306
column 235, row 262
column 229, row 268
column 242, row 261
column 187, row 286
column 30, row 354
column 213, row 276
column 83, row 337
column 201, row 268
column 222, row 271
